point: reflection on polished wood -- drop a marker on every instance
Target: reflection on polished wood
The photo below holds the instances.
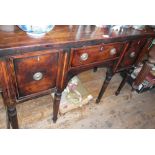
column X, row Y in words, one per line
column 69, row 34
column 62, row 53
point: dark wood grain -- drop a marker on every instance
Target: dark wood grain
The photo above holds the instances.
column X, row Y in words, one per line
column 25, row 66
column 68, row 36
column 132, row 53
column 57, row 56
column 97, row 53
column 8, row 91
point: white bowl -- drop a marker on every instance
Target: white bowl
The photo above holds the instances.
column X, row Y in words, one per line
column 36, row 31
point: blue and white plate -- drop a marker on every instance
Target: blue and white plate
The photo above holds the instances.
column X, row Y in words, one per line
column 36, row 31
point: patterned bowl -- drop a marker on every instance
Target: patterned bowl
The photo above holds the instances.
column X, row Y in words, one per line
column 36, row 31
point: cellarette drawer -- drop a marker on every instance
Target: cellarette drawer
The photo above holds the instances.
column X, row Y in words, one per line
column 34, row 72
column 132, row 53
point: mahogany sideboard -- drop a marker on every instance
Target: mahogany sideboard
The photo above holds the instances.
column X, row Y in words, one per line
column 31, row 67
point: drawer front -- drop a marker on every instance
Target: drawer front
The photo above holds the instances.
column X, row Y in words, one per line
column 132, row 53
column 92, row 54
column 35, row 72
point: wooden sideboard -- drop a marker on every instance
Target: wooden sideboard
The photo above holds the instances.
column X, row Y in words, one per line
column 31, row 67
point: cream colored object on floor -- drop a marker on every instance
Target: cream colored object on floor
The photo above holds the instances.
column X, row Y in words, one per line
column 74, row 96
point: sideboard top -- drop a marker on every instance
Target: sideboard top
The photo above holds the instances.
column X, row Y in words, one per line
column 68, row 34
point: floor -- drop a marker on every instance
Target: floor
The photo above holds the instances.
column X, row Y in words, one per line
column 128, row 110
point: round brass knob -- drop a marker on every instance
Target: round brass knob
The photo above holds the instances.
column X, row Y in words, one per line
column 132, row 54
column 38, row 76
column 84, row 56
column 113, row 51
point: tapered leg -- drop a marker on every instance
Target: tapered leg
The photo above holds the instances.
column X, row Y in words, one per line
column 7, row 119
column 121, row 84
column 125, row 79
column 12, row 117
column 109, row 75
column 56, row 104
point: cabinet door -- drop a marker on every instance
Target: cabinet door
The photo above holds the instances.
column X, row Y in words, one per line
column 34, row 72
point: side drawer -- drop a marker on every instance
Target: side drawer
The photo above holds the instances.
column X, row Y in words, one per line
column 92, row 54
column 34, row 72
column 132, row 53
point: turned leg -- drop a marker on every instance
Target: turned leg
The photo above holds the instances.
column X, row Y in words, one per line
column 56, row 104
column 127, row 74
column 109, row 75
column 7, row 119
column 12, row 117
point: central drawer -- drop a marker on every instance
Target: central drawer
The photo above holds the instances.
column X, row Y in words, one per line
column 34, row 72
column 92, row 54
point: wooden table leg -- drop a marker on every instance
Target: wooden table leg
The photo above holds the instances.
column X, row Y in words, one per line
column 122, row 84
column 12, row 116
column 109, row 75
column 7, row 118
column 56, row 104
column 125, row 79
